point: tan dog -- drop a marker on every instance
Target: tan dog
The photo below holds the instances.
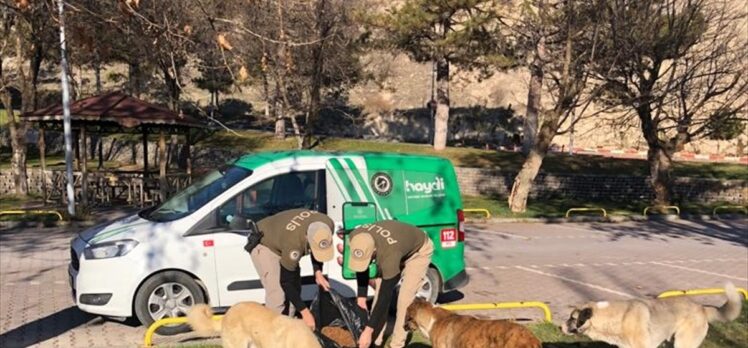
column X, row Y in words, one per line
column 250, row 324
column 446, row 329
column 646, row 323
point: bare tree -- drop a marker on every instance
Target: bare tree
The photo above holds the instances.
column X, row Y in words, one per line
column 26, row 40
column 560, row 39
column 681, row 74
column 463, row 33
column 303, row 52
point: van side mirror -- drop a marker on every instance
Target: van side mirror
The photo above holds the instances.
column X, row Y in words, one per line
column 243, row 226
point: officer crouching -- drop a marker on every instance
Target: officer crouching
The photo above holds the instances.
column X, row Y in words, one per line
column 285, row 238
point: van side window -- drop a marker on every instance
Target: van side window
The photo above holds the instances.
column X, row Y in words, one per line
column 276, row 194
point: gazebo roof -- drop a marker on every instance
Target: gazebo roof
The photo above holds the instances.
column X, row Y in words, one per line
column 114, row 107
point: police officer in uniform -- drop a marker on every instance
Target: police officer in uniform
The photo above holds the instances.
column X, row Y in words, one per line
column 287, row 236
column 402, row 252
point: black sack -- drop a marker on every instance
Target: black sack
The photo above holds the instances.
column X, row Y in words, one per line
column 332, row 309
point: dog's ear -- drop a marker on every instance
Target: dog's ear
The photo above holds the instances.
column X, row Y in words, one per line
column 584, row 316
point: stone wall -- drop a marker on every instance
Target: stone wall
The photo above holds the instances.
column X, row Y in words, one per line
column 474, row 181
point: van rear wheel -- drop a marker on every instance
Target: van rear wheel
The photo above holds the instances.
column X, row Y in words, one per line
column 167, row 295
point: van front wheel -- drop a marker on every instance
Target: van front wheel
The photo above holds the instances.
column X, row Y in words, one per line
column 167, row 295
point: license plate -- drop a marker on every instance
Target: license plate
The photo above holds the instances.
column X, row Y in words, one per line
column 449, row 238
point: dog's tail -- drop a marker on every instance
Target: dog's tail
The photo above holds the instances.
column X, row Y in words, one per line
column 201, row 320
column 730, row 310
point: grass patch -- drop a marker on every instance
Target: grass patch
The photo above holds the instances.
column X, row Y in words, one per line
column 557, row 207
column 4, row 116
column 249, row 141
column 721, row 335
column 54, row 162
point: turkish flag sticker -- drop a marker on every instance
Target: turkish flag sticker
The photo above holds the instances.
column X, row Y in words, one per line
column 449, row 238
column 208, row 243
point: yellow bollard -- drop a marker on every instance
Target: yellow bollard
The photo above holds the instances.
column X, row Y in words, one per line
column 478, row 210
column 148, row 339
column 605, row 213
column 730, row 207
column 32, row 212
column 672, row 207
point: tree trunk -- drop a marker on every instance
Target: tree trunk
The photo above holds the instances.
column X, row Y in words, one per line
column 35, row 66
column 280, row 120
column 659, row 156
column 533, row 106
column 441, row 119
column 97, row 74
column 534, row 94
column 534, row 159
column 133, row 79
column 43, row 161
column 84, row 167
column 18, row 146
column 660, row 163
column 523, row 181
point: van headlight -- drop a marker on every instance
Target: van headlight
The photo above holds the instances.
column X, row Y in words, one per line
column 109, row 249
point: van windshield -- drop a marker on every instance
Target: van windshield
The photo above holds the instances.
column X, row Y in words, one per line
column 197, row 195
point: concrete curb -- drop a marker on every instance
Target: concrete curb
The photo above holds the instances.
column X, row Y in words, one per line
column 611, row 219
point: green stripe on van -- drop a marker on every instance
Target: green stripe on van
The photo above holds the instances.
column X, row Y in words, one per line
column 346, row 183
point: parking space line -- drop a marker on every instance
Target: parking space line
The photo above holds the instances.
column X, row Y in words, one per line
column 566, row 279
column 699, row 271
column 505, row 234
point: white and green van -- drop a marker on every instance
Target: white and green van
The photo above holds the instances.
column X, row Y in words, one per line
column 161, row 261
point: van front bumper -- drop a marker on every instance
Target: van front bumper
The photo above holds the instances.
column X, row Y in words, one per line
column 100, row 289
column 456, row 282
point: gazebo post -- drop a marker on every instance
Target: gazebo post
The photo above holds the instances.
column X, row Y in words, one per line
column 145, row 152
column 189, row 156
column 84, row 167
column 101, row 149
column 76, row 150
column 42, row 160
column 162, row 164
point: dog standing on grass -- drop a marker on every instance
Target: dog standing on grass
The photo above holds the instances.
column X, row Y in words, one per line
column 446, row 329
column 250, row 324
column 646, row 323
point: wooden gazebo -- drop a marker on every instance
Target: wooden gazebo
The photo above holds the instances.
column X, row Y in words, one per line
column 118, row 113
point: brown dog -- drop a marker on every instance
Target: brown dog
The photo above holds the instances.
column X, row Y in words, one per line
column 250, row 324
column 446, row 329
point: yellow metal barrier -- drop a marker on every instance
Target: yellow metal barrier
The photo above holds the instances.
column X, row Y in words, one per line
column 673, row 207
column 605, row 213
column 148, row 339
column 694, row 292
column 730, row 207
column 32, row 212
column 501, row 305
column 476, row 210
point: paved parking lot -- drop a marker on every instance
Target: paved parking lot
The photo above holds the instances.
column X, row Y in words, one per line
column 560, row 264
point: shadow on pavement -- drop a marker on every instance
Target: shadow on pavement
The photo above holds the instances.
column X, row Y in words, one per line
column 733, row 231
column 45, row 328
column 449, row 297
